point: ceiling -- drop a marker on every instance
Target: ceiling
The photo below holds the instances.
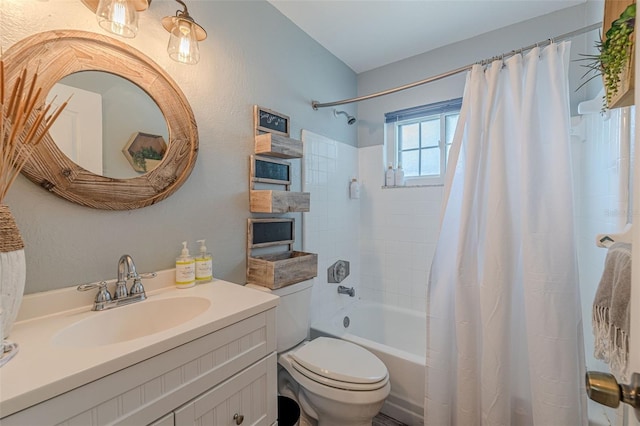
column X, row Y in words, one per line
column 367, row 34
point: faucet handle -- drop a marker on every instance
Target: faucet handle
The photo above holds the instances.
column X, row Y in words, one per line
column 103, row 294
column 137, row 287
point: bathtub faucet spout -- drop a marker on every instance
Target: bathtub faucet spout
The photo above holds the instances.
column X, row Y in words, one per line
column 346, row 290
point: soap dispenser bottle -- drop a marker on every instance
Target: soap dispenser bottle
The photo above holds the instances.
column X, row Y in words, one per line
column 204, row 265
column 185, row 269
column 354, row 189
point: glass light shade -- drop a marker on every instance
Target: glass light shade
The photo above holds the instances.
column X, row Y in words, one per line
column 183, row 43
column 118, row 17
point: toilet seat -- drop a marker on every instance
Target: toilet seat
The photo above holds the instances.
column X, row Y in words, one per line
column 339, row 364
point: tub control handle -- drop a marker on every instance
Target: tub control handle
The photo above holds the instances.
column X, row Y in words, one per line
column 239, row 418
column 338, row 271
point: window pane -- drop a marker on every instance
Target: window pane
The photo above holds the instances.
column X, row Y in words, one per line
column 451, row 121
column 430, row 133
column 430, row 160
column 409, row 136
column 410, row 161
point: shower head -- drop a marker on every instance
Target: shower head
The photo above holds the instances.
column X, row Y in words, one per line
column 350, row 119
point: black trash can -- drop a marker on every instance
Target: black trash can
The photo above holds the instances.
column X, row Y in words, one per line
column 288, row 411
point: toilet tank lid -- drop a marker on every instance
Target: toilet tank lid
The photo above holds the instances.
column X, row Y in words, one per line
column 340, row 360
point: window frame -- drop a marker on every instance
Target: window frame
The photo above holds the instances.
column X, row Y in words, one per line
column 409, row 116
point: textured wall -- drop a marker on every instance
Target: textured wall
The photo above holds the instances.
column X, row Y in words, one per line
column 253, row 55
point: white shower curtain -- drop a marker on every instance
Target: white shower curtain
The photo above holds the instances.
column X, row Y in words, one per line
column 504, row 333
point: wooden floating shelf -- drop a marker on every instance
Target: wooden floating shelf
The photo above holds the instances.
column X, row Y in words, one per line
column 281, row 269
column 275, row 270
column 269, row 201
column 278, row 146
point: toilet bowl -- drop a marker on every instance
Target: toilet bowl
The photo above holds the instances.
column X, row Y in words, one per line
column 335, row 382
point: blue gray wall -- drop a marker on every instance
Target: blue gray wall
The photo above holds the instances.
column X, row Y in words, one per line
column 253, row 55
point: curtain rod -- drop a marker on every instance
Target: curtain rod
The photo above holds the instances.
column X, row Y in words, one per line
column 316, row 104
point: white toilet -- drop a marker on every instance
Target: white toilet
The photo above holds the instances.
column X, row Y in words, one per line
column 335, row 382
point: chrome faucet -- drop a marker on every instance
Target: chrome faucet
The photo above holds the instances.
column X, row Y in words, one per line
column 121, row 284
column 346, row 290
column 122, row 296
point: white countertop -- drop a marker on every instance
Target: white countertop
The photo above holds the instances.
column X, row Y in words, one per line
column 42, row 370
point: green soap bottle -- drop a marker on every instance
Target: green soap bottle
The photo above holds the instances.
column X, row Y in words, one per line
column 204, row 265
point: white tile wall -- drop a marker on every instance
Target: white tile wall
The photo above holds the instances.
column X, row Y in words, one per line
column 331, row 227
column 398, row 233
column 388, row 235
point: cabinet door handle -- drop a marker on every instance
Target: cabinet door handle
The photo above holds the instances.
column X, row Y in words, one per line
column 239, row 418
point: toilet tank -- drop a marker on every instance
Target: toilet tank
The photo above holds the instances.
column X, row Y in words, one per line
column 292, row 314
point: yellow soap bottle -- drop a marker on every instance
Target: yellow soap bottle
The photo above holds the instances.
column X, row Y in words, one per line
column 185, row 269
column 204, row 265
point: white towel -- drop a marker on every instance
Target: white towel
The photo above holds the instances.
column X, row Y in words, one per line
column 611, row 310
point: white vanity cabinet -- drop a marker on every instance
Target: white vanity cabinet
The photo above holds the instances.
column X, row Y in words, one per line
column 206, row 381
column 243, row 399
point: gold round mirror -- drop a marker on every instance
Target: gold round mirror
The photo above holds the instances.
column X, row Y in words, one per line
column 59, row 54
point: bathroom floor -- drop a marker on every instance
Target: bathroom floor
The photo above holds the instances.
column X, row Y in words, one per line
column 382, row 420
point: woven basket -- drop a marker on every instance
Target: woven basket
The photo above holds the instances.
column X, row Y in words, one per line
column 10, row 239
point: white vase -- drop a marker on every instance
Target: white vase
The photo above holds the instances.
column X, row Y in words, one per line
column 12, row 269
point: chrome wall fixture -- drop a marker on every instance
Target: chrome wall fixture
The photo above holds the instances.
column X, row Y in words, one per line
column 120, row 17
column 350, row 118
column 337, row 272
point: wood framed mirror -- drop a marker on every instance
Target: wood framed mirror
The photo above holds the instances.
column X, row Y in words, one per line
column 57, row 54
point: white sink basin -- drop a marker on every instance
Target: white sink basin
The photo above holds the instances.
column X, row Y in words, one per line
column 130, row 322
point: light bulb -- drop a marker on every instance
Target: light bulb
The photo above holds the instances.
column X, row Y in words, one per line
column 183, row 43
column 118, row 17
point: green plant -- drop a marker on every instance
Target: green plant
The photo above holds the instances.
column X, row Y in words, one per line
column 151, row 154
column 614, row 53
column 147, row 153
column 139, row 161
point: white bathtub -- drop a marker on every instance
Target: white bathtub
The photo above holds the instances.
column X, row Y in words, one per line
column 396, row 336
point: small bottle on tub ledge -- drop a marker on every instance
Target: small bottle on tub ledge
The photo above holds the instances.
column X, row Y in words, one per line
column 389, row 176
column 399, row 176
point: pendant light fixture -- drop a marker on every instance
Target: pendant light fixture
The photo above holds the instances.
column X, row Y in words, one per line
column 119, row 17
column 184, row 35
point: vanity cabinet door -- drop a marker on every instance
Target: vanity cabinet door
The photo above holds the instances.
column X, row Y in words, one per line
column 248, row 398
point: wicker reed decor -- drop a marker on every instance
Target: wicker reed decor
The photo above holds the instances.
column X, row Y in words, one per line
column 25, row 118
column 10, row 239
column 24, row 121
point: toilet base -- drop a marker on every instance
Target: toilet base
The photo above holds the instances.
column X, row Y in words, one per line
column 318, row 410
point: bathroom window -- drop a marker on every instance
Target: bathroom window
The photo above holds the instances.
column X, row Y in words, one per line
column 419, row 139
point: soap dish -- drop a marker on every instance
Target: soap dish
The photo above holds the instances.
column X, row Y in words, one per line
column 9, row 350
